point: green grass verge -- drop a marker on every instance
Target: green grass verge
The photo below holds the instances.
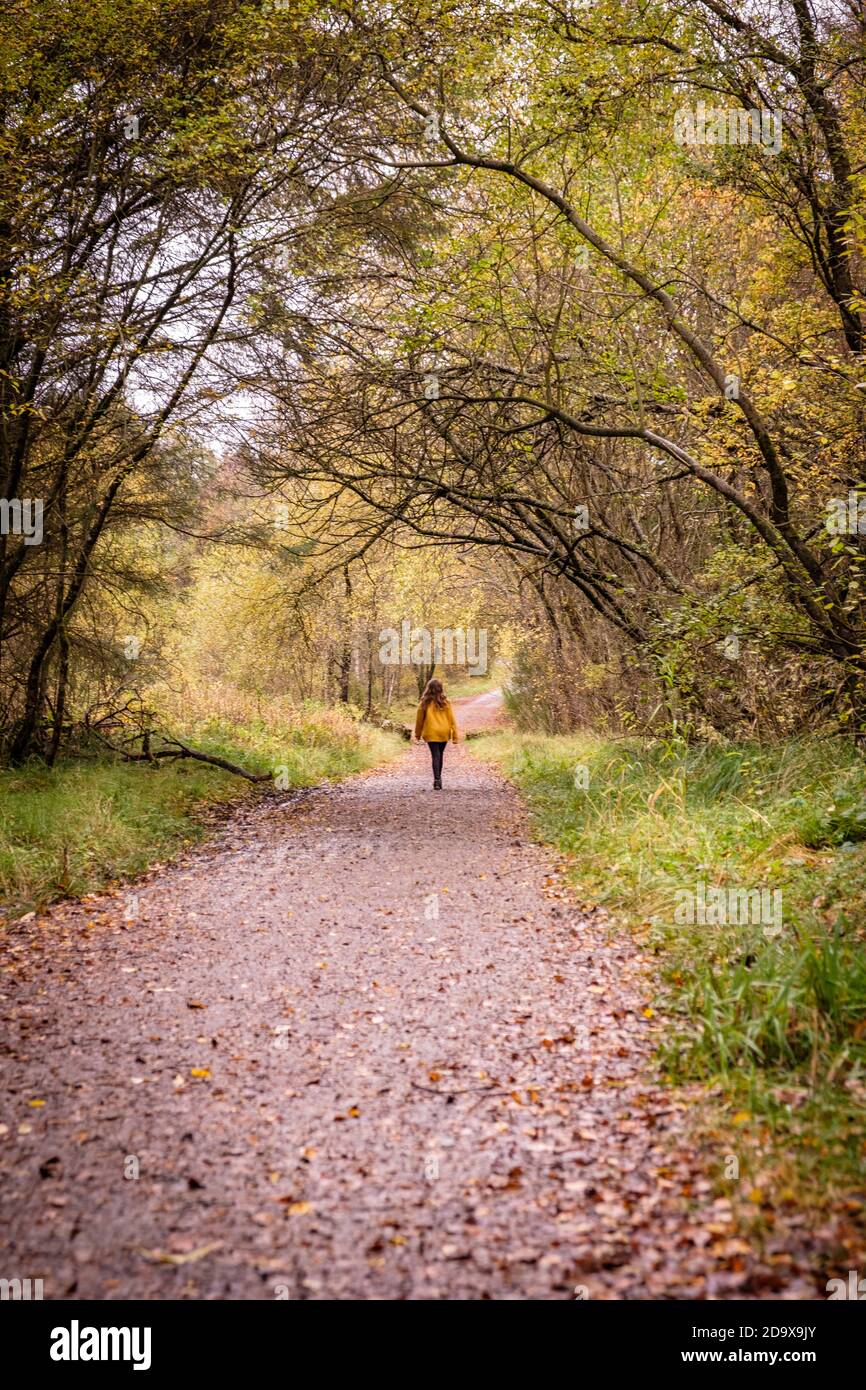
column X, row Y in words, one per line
column 772, row 1014
column 88, row 822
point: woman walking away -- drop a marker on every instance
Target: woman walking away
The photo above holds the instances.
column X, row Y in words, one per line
column 435, row 723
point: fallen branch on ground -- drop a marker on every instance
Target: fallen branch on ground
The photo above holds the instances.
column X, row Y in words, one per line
column 390, row 726
column 175, row 749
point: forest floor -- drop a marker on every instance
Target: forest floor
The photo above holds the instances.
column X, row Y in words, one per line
column 361, row 1045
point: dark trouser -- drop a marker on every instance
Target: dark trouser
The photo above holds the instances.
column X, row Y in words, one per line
column 436, row 752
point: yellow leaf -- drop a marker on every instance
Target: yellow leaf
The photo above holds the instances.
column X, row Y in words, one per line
column 200, row 1071
column 300, row 1208
column 742, row 1117
column 164, row 1258
column 36, row 1103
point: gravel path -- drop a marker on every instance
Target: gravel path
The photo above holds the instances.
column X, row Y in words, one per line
column 360, row 1046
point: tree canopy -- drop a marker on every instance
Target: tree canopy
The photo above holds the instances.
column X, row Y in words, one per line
column 570, row 294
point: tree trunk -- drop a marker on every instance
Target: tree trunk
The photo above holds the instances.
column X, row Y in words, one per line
column 424, row 673
column 345, row 664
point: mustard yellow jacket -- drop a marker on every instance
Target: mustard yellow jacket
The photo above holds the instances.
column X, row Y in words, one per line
column 438, row 725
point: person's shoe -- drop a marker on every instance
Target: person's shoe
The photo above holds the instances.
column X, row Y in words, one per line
column 437, row 785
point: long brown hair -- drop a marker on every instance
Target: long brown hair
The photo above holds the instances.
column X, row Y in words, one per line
column 434, row 693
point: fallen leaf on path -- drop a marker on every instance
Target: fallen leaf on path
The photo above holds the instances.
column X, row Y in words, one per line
column 163, row 1257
